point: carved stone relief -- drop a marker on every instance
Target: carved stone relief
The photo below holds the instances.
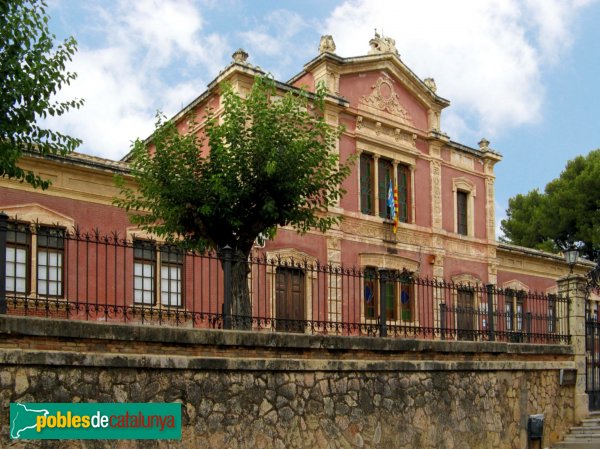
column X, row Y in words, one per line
column 384, row 98
column 490, row 204
column 430, row 83
column 382, row 44
column 380, row 130
column 360, row 230
column 327, row 44
column 388, row 261
column 462, row 160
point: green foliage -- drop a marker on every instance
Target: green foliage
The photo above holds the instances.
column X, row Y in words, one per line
column 566, row 215
column 31, row 72
column 267, row 161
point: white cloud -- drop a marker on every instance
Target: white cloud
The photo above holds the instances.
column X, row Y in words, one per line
column 262, row 42
column 553, row 21
column 279, row 37
column 116, row 108
column 151, row 57
column 486, row 56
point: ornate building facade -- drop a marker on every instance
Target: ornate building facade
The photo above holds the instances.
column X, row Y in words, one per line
column 392, row 122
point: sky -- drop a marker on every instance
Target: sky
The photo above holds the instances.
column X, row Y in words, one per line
column 522, row 73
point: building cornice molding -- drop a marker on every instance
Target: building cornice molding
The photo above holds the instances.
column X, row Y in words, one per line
column 379, row 61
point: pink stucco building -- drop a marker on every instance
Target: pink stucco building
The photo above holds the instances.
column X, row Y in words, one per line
column 393, row 121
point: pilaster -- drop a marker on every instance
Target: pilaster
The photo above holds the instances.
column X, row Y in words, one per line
column 572, row 287
column 334, row 258
column 376, row 183
column 328, row 74
column 436, row 194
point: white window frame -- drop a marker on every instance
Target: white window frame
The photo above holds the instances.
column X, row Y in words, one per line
column 152, row 275
column 467, row 186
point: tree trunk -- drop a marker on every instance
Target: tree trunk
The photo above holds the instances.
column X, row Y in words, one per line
column 241, row 306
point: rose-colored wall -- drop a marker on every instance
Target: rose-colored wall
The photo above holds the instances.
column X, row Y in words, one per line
column 87, row 215
column 314, row 245
column 353, row 86
column 422, row 146
column 348, row 121
column 455, row 267
column 306, row 81
column 534, row 283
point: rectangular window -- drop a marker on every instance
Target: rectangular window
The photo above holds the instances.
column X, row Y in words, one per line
column 380, row 285
column 384, row 173
column 509, row 313
column 519, row 314
column 18, row 240
column 515, row 310
column 404, row 194
column 407, row 302
column 171, row 273
column 551, row 314
column 462, row 215
column 389, row 294
column 483, row 314
column 367, row 187
column 144, row 279
column 370, row 293
column 50, row 252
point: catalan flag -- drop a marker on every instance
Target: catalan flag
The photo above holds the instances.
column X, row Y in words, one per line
column 390, row 202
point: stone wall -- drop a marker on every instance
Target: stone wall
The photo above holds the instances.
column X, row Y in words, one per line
column 245, row 390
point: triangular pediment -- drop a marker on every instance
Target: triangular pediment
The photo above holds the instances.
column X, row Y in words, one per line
column 382, row 94
column 380, row 85
column 36, row 213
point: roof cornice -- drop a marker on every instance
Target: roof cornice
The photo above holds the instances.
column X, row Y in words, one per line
column 351, row 64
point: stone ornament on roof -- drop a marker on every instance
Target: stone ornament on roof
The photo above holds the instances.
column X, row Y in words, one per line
column 382, row 44
column 327, row 45
column 484, row 147
column 385, row 98
column 240, row 56
column 430, row 83
column 484, row 144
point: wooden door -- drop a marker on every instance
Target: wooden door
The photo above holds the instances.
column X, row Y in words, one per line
column 465, row 315
column 290, row 300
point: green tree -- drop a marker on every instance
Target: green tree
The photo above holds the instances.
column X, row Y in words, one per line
column 566, row 215
column 32, row 71
column 265, row 162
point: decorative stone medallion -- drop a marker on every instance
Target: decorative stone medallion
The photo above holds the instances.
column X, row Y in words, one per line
column 384, row 98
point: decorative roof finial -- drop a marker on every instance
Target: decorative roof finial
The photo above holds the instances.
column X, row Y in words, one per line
column 381, row 44
column 327, row 44
column 484, row 144
column 240, row 56
column 430, row 82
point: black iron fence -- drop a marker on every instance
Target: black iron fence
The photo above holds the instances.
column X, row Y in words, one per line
column 52, row 272
column 592, row 346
